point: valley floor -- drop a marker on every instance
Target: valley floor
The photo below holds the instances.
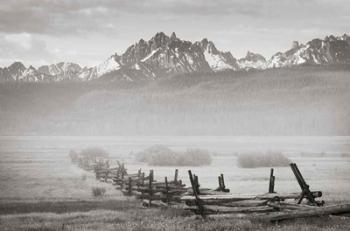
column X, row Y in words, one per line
column 129, row 215
column 41, row 190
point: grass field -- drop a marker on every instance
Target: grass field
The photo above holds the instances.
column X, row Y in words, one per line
column 129, row 216
column 41, row 190
column 48, row 180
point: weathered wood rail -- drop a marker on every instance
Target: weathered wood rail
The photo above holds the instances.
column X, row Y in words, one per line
column 205, row 205
column 205, row 202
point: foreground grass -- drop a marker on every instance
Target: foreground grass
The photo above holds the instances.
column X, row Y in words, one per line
column 60, row 207
column 131, row 216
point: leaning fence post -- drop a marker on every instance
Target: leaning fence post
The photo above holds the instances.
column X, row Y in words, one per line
column 197, row 200
column 306, row 193
column 272, row 182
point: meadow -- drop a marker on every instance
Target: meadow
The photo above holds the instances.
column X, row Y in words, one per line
column 42, row 190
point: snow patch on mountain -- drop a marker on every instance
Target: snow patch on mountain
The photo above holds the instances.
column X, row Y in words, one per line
column 150, row 55
column 216, row 62
column 137, row 66
column 107, row 66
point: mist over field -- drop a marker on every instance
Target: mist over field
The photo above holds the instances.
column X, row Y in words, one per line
column 290, row 101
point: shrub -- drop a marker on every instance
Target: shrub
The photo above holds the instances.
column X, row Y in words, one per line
column 150, row 154
column 98, row 191
column 196, row 157
column 269, row 159
column 160, row 155
column 92, row 153
column 74, row 156
column 345, row 155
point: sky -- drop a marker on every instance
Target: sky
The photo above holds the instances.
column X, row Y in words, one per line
column 87, row 32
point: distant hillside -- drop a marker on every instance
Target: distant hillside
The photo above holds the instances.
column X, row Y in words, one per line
column 289, row 101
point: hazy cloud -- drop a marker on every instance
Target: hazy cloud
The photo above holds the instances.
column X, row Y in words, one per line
column 24, row 47
column 69, row 16
column 236, row 25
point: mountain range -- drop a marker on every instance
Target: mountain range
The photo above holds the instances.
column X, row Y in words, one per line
column 164, row 56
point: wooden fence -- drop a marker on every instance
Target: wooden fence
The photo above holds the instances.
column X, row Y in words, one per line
column 212, row 202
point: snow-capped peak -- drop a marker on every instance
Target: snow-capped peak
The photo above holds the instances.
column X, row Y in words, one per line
column 216, row 59
column 252, row 61
column 164, row 55
column 330, row 50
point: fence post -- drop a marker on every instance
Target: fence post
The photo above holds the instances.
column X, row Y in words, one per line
column 198, row 201
column 220, row 186
column 130, row 186
column 223, row 182
column 150, row 187
column 96, row 171
column 143, row 179
column 176, row 175
column 124, row 169
column 139, row 173
column 106, row 176
column 196, row 183
column 122, row 179
column 167, row 190
column 306, row 193
column 272, row 182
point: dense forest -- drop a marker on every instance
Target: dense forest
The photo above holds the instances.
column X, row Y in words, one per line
column 289, row 101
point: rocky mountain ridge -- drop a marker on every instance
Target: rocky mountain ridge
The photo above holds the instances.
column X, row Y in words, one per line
column 165, row 55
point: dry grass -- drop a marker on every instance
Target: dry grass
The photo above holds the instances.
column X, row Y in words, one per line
column 269, row 159
column 47, row 178
column 155, row 219
column 65, row 206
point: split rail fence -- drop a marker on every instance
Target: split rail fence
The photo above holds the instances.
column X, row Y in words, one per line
column 205, row 202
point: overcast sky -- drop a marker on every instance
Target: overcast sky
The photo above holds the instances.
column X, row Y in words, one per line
column 88, row 31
